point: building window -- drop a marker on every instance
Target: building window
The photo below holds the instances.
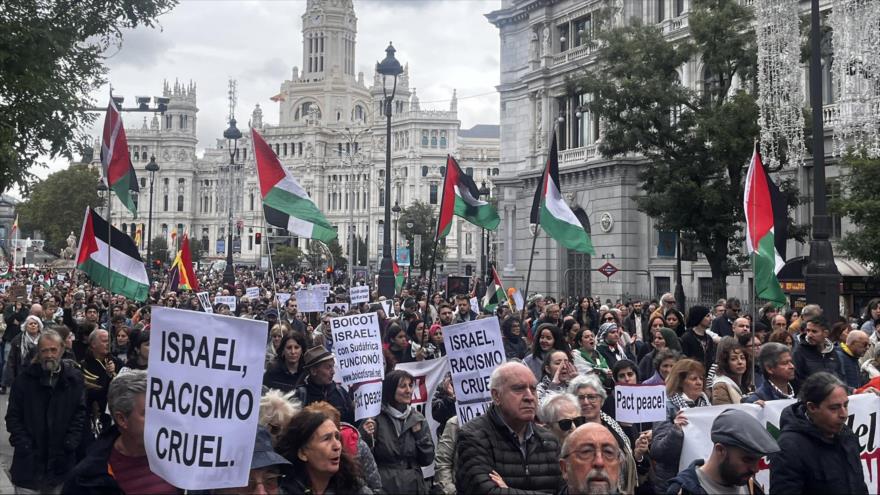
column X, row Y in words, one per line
column 442, row 171
column 180, row 202
column 381, row 197
column 143, row 182
column 705, row 288
column 661, row 286
column 165, row 202
column 832, row 193
column 442, row 139
column 469, row 243
column 424, row 171
column 433, row 139
column 679, row 7
column 424, row 138
column 168, row 121
column 433, row 194
column 562, row 35
column 469, row 171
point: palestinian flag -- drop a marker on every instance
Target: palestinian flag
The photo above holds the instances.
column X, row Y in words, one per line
column 286, row 204
column 182, row 274
column 553, row 214
column 461, row 197
column 398, row 276
column 6, row 271
column 111, row 262
column 760, row 238
column 118, row 171
column 494, row 293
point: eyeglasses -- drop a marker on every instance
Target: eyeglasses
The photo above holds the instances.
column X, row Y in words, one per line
column 610, row 453
column 590, row 397
column 567, row 424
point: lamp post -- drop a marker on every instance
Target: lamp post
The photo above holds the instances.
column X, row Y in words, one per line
column 821, row 277
column 102, row 188
column 396, row 209
column 152, row 168
column 484, row 241
column 409, row 240
column 388, row 68
column 232, row 135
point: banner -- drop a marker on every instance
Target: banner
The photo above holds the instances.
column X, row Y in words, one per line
column 475, row 305
column 863, row 411
column 203, row 398
column 205, row 302
column 427, row 376
column 640, row 403
column 227, row 300
column 324, row 289
column 474, row 349
column 310, row 300
column 339, row 308
column 252, row 292
column 388, row 306
column 359, row 294
column 358, row 348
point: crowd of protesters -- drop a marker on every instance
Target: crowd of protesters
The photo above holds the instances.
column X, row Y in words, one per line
column 75, row 362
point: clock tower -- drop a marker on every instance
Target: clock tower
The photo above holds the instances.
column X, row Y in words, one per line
column 329, row 29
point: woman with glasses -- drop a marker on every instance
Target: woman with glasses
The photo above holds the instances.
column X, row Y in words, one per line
column 684, row 390
column 591, row 396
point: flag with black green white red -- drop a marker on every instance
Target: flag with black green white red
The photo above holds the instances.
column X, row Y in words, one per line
column 552, row 213
column 286, row 204
column 111, row 259
column 461, row 198
column 494, row 293
column 760, row 238
column 119, row 174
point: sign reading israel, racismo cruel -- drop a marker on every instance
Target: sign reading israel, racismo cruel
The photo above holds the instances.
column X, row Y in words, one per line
column 475, row 349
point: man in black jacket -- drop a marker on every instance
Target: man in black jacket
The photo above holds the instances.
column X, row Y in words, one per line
column 319, row 384
column 45, row 418
column 814, row 352
column 505, row 447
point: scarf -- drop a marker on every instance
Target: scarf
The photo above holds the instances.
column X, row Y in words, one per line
column 28, row 344
column 398, row 418
column 598, row 362
column 681, row 401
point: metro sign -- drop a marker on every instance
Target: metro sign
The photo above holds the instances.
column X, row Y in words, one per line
column 608, row 269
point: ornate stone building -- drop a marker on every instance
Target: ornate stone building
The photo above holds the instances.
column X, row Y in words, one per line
column 330, row 133
column 542, row 43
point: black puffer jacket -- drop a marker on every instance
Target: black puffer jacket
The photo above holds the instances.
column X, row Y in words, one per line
column 45, row 425
column 810, row 463
column 809, row 359
column 485, row 444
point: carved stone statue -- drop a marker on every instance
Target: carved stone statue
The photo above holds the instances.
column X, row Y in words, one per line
column 533, row 47
column 69, row 252
column 547, row 43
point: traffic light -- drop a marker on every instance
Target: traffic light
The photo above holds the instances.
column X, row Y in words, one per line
column 258, row 238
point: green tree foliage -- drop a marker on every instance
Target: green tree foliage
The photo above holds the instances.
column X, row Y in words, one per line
column 697, row 142
column 289, row 257
column 195, row 250
column 56, row 205
column 861, row 203
column 424, row 221
column 51, row 58
column 159, row 249
column 319, row 255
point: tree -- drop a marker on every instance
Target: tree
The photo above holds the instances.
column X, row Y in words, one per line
column 159, row 249
column 195, row 250
column 318, row 253
column 424, row 222
column 289, row 257
column 57, row 204
column 52, row 55
column 862, row 204
column 697, row 142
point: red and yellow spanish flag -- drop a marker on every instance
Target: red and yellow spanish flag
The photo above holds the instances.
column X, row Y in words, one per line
column 182, row 274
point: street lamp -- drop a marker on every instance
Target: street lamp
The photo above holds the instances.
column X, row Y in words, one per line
column 821, row 277
column 396, row 209
column 484, row 238
column 232, row 135
column 152, row 168
column 409, row 238
column 102, row 188
column 388, row 68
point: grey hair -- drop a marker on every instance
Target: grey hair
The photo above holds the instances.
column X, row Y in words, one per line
column 818, row 387
column 588, row 380
column 770, row 354
column 124, row 389
column 51, row 334
column 811, row 311
column 94, row 335
column 550, row 409
column 498, row 376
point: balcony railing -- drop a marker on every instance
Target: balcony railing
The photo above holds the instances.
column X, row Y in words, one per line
column 575, row 156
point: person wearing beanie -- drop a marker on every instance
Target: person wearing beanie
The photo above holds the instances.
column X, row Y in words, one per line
column 697, row 342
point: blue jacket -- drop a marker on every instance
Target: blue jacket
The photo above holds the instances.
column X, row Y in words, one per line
column 850, row 370
column 764, row 392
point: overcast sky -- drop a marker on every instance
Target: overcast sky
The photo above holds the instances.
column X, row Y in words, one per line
column 447, row 43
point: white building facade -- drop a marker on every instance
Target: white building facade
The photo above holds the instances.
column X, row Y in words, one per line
column 543, row 42
column 330, row 134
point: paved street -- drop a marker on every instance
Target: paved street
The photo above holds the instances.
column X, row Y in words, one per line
column 5, row 451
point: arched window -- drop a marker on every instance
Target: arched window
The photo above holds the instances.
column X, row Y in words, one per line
column 424, row 171
column 469, row 171
column 442, row 171
column 442, row 139
column 432, row 196
column 433, row 139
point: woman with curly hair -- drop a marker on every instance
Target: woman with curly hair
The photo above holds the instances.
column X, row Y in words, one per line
column 313, row 445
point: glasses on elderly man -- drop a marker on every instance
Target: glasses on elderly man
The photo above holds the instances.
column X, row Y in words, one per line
column 569, row 423
column 588, row 452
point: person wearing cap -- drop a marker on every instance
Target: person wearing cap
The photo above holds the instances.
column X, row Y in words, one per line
column 266, row 466
column 318, row 384
column 740, row 441
column 819, row 451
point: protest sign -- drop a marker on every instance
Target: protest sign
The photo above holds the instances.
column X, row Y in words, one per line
column 310, row 300
column 282, row 298
column 358, row 348
column 205, row 302
column 252, row 292
column 863, row 411
column 227, row 300
column 203, row 398
column 475, row 349
column 475, row 305
column 30, row 289
column 338, row 308
column 640, row 403
column 518, row 300
column 360, row 294
column 324, row 289
column 427, row 376
column 388, row 306
column 19, row 292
